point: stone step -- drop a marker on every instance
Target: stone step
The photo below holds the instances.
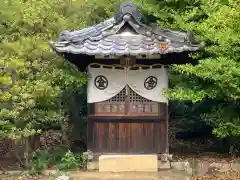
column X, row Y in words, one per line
column 128, row 163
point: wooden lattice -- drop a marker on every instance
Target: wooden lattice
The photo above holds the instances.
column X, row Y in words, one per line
column 134, row 97
column 120, row 97
column 115, row 105
column 127, row 102
column 141, row 105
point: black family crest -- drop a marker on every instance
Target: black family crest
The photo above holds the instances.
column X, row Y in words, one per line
column 150, row 82
column 101, row 82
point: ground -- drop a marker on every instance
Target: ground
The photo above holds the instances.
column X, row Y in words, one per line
column 162, row 175
column 115, row 176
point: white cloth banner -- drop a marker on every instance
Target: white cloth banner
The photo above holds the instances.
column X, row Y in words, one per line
column 149, row 83
column 105, row 83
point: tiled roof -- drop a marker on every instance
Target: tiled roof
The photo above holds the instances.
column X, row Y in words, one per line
column 124, row 35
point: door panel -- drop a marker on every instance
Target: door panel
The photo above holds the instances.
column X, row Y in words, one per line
column 128, row 137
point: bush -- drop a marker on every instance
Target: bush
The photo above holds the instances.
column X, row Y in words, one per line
column 71, row 161
column 39, row 162
column 62, row 160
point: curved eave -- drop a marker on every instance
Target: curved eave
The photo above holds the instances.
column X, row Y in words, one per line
column 125, row 35
column 126, row 51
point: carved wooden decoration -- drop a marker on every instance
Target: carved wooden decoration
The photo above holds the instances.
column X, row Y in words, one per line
column 127, row 102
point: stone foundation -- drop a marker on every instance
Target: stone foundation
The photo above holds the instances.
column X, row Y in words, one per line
column 162, row 163
column 128, row 163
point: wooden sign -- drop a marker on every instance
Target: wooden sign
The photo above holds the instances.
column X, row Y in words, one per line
column 163, row 46
column 128, row 61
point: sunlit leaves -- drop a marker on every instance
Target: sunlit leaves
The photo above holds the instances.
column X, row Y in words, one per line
column 217, row 76
column 40, row 76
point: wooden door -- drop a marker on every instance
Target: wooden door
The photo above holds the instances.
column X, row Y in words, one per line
column 127, row 135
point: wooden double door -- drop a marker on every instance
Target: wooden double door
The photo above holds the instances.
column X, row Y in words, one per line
column 127, row 135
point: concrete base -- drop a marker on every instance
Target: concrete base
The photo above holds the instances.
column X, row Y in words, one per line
column 128, row 163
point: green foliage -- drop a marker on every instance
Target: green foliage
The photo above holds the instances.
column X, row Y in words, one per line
column 57, row 158
column 39, row 162
column 33, row 78
column 70, row 161
column 217, row 76
column 226, row 118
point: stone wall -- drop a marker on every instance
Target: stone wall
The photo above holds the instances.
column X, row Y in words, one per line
column 201, row 168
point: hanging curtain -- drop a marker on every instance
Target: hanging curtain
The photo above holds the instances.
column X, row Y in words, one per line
column 104, row 83
column 149, row 83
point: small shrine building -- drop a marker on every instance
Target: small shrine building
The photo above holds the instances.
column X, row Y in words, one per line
column 127, row 62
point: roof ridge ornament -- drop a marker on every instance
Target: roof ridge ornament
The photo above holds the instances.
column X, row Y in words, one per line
column 126, row 11
column 109, row 37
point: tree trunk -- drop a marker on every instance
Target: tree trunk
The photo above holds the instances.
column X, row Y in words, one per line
column 26, row 153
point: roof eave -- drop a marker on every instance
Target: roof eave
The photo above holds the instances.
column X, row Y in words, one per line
column 67, row 49
column 73, row 42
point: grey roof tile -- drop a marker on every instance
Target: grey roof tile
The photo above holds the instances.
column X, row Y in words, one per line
column 107, row 38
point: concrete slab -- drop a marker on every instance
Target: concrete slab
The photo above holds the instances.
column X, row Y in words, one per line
column 128, row 163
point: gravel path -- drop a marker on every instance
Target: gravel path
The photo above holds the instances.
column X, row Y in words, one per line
column 164, row 175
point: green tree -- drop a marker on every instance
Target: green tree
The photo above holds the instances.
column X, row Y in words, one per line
column 33, row 78
column 217, row 76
